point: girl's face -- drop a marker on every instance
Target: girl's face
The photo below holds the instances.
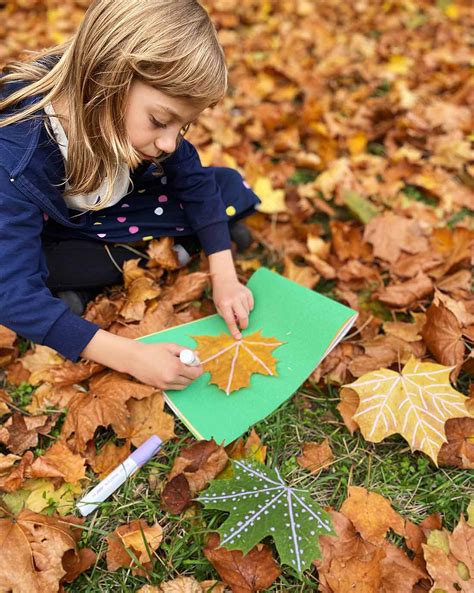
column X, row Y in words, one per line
column 153, row 120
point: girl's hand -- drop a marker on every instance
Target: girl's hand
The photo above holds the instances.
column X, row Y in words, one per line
column 233, row 301
column 159, row 365
column 154, row 364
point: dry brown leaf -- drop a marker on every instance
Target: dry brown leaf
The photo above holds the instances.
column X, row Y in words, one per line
column 156, row 318
column 103, row 405
column 442, row 335
column 146, row 418
column 139, row 292
column 60, row 457
column 371, row 514
column 192, row 471
column 348, row 407
column 459, row 450
column 253, row 572
column 7, row 345
column 303, row 275
column 162, row 255
column 391, row 234
column 33, row 549
column 186, row 288
column 139, row 538
column 405, row 294
column 316, row 456
column 110, row 456
column 20, row 433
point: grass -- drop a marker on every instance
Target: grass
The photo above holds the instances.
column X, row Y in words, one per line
column 415, row 487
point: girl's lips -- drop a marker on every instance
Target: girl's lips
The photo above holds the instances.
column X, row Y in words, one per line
column 146, row 156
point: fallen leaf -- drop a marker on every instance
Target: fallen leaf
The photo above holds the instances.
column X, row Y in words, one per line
column 110, row 457
column 255, row 571
column 459, row 450
column 316, row 456
column 405, row 294
column 146, row 418
column 162, row 255
column 258, row 500
column 135, row 539
column 20, row 433
column 442, row 335
column 303, row 275
column 103, row 405
column 414, row 403
column 371, row 514
column 390, row 234
column 272, row 200
column 32, row 559
column 60, row 457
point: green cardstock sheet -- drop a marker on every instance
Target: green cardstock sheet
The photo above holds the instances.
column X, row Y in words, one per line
column 309, row 324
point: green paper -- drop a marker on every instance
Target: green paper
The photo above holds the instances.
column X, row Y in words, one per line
column 309, row 324
column 260, row 505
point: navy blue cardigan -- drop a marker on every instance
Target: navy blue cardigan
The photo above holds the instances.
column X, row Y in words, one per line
column 31, row 183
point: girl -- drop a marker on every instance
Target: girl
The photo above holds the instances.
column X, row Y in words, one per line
column 92, row 154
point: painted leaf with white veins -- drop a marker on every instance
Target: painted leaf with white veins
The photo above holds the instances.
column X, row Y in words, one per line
column 415, row 403
column 233, row 362
column 261, row 504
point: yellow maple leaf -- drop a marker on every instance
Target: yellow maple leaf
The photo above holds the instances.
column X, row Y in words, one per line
column 232, row 362
column 415, row 403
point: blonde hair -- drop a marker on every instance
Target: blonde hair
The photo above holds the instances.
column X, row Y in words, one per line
column 169, row 44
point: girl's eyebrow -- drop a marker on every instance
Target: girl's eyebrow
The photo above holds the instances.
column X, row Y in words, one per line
column 170, row 111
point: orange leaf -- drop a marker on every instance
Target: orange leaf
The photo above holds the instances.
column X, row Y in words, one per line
column 233, row 362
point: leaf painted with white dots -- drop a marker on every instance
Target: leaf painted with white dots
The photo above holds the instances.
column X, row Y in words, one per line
column 261, row 504
column 415, row 403
column 233, row 362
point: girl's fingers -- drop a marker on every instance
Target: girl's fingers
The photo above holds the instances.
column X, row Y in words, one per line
column 242, row 315
column 228, row 315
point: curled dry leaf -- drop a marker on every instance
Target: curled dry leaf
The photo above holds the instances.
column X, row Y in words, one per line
column 162, row 255
column 316, row 456
column 103, row 405
column 450, row 558
column 405, row 294
column 20, row 433
column 192, row 471
column 255, row 571
column 137, row 537
column 442, row 335
column 33, row 549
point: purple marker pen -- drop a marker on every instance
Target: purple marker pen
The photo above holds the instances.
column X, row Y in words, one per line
column 108, row 485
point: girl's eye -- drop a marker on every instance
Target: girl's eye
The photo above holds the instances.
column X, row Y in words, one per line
column 157, row 123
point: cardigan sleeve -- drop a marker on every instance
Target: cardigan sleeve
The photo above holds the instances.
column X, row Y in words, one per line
column 26, row 304
column 197, row 188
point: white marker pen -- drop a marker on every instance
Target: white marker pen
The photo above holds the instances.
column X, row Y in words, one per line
column 104, row 489
column 189, row 358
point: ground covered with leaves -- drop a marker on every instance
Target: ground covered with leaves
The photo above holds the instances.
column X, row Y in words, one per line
column 351, row 122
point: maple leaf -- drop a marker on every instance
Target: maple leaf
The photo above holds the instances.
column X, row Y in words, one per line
column 32, row 559
column 260, row 505
column 414, row 403
column 247, row 573
column 104, row 404
column 232, row 362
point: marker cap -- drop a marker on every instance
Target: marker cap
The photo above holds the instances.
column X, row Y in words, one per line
column 146, row 451
column 187, row 357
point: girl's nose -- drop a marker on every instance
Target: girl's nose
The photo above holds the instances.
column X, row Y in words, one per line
column 166, row 142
